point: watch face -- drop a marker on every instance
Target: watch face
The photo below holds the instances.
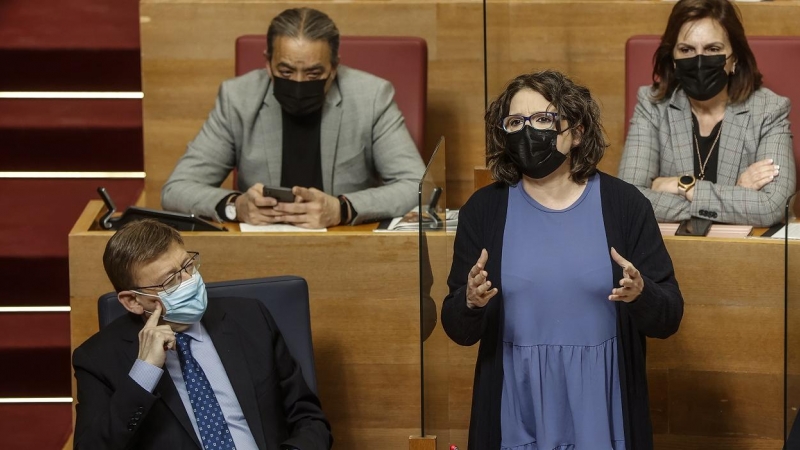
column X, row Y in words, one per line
column 230, row 211
column 686, row 179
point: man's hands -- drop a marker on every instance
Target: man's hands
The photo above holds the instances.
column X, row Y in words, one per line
column 253, row 208
column 155, row 340
column 312, row 208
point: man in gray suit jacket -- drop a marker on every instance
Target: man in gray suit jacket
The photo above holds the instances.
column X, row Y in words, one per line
column 331, row 133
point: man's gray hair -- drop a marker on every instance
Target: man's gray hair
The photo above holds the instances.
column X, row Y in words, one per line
column 307, row 23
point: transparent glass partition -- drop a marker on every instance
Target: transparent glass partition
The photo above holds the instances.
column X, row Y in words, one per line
column 792, row 348
column 434, row 251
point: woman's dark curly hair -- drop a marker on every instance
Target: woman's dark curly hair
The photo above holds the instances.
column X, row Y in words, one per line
column 741, row 83
column 573, row 103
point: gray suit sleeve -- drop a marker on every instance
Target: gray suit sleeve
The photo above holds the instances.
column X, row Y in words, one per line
column 641, row 161
column 397, row 162
column 765, row 207
column 193, row 187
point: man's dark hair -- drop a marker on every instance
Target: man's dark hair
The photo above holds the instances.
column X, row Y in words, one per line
column 573, row 103
column 135, row 244
column 305, row 23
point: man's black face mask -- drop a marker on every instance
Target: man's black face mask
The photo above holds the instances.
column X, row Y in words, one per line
column 300, row 98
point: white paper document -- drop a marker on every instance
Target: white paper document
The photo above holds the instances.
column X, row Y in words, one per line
column 794, row 232
column 410, row 222
column 277, row 227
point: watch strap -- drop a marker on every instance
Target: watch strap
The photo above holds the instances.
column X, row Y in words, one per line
column 345, row 217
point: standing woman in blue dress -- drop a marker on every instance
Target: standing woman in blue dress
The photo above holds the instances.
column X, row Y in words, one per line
column 560, row 272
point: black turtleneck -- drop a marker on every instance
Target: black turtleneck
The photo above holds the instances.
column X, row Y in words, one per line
column 301, row 164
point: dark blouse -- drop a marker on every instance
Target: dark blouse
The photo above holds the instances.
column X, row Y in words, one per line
column 705, row 143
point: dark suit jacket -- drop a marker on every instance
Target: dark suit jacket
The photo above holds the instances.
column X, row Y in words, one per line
column 114, row 412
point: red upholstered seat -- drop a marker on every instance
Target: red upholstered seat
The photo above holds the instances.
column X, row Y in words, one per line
column 778, row 60
column 401, row 60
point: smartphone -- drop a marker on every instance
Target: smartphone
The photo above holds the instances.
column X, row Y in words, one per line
column 434, row 202
column 280, row 194
column 694, row 227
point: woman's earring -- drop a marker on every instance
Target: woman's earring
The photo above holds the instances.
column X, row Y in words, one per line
column 733, row 69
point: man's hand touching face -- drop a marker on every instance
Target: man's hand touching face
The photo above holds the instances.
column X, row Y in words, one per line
column 155, row 340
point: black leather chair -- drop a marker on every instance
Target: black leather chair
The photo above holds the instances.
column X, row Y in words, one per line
column 285, row 297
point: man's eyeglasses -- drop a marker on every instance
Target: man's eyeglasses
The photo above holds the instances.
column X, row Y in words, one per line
column 174, row 280
column 545, row 120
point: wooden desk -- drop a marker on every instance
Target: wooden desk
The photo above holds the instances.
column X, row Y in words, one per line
column 716, row 384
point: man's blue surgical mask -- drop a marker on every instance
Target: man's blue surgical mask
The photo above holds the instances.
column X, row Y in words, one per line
column 188, row 303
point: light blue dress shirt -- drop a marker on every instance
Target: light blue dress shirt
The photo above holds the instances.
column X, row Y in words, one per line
column 203, row 350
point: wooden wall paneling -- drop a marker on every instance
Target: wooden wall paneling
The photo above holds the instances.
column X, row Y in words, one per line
column 726, row 404
column 723, row 338
column 422, row 443
column 682, row 442
column 482, row 177
column 792, row 394
column 658, row 389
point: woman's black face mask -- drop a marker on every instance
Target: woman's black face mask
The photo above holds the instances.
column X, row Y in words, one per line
column 702, row 77
column 534, row 151
column 300, row 98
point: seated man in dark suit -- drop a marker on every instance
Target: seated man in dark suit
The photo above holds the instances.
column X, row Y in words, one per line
column 331, row 133
column 230, row 381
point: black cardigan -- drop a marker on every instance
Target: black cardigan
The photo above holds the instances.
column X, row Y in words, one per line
column 631, row 228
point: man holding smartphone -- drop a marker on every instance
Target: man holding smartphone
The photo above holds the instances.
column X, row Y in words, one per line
column 331, row 134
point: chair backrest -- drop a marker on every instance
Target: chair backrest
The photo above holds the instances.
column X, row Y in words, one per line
column 401, row 60
column 778, row 60
column 286, row 298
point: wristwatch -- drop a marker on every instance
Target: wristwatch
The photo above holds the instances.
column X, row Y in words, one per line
column 230, row 208
column 344, row 209
column 686, row 182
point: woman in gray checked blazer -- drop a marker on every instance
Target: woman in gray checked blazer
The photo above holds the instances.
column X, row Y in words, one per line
column 706, row 139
